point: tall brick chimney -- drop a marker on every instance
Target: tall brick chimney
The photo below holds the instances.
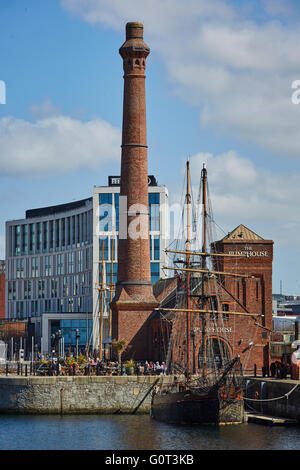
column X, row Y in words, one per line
column 134, row 300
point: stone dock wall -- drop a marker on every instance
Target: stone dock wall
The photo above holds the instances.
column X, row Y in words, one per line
column 112, row 394
column 84, row 394
column 274, row 397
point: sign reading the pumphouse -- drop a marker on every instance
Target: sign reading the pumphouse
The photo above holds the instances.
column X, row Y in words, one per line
column 248, row 252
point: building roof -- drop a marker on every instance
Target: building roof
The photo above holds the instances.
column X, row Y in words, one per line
column 242, row 233
column 51, row 210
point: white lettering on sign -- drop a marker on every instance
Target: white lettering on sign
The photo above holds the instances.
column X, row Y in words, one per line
column 249, row 253
column 223, row 329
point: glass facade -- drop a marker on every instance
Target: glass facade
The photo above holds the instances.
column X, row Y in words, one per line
column 68, row 328
column 54, row 257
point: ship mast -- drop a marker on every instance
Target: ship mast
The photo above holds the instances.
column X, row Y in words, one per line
column 188, row 249
column 204, row 265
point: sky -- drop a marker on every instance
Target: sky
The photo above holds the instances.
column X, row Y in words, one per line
column 222, row 88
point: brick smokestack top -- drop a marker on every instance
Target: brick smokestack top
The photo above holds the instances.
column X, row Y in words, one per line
column 134, row 31
column 134, row 273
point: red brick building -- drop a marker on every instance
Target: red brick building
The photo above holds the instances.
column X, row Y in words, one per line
column 247, row 298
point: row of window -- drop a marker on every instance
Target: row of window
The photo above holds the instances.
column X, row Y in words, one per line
column 109, row 212
column 23, row 309
column 55, row 287
column 53, row 235
column 105, row 272
column 108, row 248
column 50, row 265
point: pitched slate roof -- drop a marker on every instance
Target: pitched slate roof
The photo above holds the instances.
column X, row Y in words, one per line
column 242, row 233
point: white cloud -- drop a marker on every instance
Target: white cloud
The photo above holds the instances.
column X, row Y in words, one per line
column 44, row 109
column 55, row 145
column 241, row 193
column 238, row 72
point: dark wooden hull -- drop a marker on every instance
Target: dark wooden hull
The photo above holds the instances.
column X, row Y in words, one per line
column 188, row 408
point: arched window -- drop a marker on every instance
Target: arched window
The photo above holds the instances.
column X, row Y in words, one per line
column 217, row 353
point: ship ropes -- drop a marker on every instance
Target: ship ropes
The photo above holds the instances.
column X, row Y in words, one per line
column 203, row 317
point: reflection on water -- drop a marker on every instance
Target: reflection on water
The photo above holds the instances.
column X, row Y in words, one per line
column 140, row 432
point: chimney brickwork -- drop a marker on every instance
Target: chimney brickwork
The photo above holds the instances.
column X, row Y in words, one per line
column 134, row 300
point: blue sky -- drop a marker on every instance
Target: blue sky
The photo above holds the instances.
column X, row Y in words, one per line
column 219, row 80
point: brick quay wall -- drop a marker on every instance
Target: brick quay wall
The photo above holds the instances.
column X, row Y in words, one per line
column 82, row 394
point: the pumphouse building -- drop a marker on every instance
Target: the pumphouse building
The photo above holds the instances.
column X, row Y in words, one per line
column 248, row 291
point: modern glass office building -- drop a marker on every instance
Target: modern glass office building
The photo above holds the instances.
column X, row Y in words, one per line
column 107, row 209
column 57, row 257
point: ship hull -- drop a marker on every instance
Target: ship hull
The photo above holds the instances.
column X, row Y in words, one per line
column 183, row 408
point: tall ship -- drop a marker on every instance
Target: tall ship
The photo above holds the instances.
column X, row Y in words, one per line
column 208, row 377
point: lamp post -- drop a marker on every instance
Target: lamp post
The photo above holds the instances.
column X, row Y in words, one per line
column 52, row 345
column 59, row 335
column 77, row 338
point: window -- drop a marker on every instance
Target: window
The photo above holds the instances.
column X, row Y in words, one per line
column 156, row 248
column 60, row 264
column 24, row 239
column 57, row 229
column 63, row 232
column 225, row 308
column 68, row 232
column 103, row 248
column 73, row 231
column 105, row 212
column 34, row 267
column 11, row 290
column 108, row 273
column 34, row 307
column 41, row 289
column 51, row 229
column 27, row 290
column 80, row 261
column 31, row 238
column 20, row 268
column 71, row 258
column 155, row 272
column 70, row 304
column 76, row 285
column 38, row 237
column 154, row 212
column 45, row 236
column 117, row 210
column 17, row 239
column 20, row 310
column 54, row 284
column 48, row 266
column 65, row 287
